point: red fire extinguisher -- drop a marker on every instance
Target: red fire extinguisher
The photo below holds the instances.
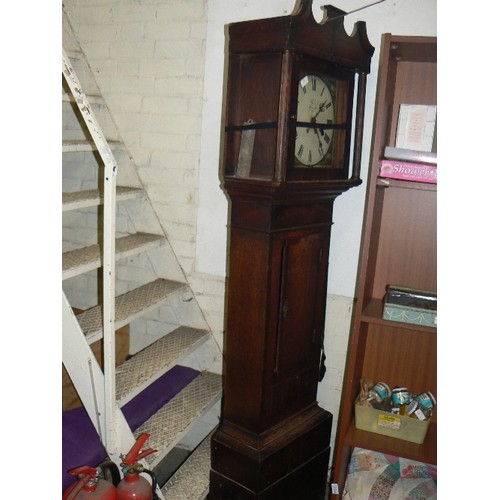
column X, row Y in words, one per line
column 133, row 486
column 91, row 484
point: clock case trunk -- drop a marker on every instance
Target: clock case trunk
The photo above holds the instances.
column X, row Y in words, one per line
column 273, row 440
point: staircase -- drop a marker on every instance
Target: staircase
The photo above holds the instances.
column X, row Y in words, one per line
column 118, row 269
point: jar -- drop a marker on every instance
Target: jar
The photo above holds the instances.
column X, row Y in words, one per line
column 400, row 398
column 379, row 392
column 421, row 407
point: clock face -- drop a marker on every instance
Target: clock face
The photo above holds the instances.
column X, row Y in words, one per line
column 315, row 117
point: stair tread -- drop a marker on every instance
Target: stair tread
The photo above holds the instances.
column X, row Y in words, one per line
column 93, row 197
column 169, row 425
column 128, row 306
column 192, row 480
column 75, row 145
column 152, row 362
column 85, row 259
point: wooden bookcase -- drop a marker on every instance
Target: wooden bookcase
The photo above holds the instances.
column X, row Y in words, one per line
column 399, row 248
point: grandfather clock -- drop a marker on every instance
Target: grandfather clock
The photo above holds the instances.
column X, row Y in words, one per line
column 293, row 85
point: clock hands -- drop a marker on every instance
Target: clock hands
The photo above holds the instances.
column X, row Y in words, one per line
column 319, row 139
column 319, row 131
column 321, row 108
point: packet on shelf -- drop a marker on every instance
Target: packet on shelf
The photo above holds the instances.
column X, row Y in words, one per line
column 362, row 399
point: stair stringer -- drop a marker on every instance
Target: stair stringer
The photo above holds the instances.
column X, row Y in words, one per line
column 86, row 373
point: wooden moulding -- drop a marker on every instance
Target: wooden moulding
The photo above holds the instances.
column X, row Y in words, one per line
column 300, row 32
column 261, row 465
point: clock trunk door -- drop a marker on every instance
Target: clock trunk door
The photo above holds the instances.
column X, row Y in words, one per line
column 299, row 328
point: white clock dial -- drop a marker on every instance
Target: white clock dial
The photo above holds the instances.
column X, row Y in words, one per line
column 314, row 106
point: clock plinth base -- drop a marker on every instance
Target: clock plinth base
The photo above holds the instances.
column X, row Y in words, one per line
column 288, row 461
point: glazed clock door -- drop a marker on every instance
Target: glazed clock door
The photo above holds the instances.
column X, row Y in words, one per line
column 321, row 120
column 299, row 327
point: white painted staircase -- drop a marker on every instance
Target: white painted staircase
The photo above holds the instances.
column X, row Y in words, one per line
column 119, row 269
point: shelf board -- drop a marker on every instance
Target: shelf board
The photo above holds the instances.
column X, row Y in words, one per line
column 425, row 452
column 422, row 186
column 373, row 313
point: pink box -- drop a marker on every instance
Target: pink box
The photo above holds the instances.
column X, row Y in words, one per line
column 416, row 172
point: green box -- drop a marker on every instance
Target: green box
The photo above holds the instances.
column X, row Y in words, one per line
column 388, row 424
column 405, row 314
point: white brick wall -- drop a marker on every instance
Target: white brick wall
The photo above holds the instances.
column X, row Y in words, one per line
column 337, row 326
column 148, row 59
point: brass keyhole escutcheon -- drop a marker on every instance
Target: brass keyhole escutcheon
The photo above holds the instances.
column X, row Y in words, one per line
column 284, row 309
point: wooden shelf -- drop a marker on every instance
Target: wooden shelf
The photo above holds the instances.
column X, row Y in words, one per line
column 373, row 314
column 425, row 452
column 422, row 186
column 399, row 248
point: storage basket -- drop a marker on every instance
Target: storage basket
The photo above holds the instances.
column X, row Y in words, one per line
column 389, row 424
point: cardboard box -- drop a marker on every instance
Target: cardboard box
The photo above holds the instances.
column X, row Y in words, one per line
column 397, row 169
column 388, row 424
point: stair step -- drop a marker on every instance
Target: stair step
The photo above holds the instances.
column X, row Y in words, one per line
column 172, row 422
column 152, row 362
column 77, row 146
column 128, row 306
column 82, row 260
column 192, row 480
column 93, row 197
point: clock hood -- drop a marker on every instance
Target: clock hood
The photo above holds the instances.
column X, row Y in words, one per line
column 299, row 32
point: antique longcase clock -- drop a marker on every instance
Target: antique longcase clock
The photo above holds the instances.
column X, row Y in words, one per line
column 292, row 145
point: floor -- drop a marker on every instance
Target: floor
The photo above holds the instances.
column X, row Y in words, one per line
column 170, row 464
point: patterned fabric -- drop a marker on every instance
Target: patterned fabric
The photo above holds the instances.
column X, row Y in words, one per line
column 377, row 476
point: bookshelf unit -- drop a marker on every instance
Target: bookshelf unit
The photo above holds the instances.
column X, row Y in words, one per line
column 398, row 248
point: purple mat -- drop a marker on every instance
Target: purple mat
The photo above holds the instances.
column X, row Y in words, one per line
column 80, row 441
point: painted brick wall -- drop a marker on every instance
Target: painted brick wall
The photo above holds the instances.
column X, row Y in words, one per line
column 337, row 326
column 148, row 59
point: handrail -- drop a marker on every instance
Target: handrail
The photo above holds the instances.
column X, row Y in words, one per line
column 110, row 437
